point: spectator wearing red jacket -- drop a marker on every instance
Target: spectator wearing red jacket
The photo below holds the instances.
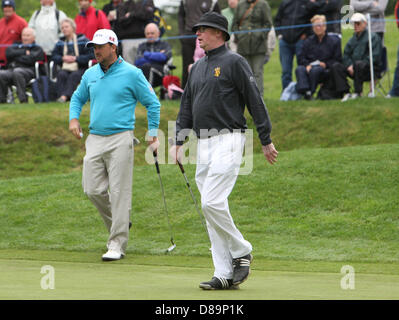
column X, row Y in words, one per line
column 90, row 19
column 11, row 26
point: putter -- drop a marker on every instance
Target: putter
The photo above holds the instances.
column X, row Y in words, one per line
column 192, row 194
column 164, row 202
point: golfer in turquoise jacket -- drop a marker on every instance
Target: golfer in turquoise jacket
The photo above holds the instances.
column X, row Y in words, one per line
column 113, row 88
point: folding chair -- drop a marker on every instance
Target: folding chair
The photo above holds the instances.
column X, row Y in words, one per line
column 167, row 70
column 382, row 85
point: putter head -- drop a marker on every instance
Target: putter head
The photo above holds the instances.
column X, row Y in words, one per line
column 135, row 141
column 170, row 249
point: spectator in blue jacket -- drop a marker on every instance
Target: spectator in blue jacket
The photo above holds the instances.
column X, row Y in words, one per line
column 72, row 57
column 319, row 52
column 152, row 55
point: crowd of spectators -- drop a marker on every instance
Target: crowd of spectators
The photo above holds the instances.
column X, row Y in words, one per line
column 308, row 30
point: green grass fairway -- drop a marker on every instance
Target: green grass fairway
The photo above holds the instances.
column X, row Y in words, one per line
column 142, row 278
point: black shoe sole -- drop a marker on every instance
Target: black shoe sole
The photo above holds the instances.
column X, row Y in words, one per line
column 209, row 287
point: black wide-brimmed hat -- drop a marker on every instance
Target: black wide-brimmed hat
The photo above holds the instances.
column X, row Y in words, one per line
column 214, row 20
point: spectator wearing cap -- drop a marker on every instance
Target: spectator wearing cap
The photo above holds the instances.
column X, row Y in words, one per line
column 90, row 19
column 356, row 59
column 376, row 9
column 219, row 87
column 46, row 23
column 11, row 26
column 113, row 88
column 22, row 57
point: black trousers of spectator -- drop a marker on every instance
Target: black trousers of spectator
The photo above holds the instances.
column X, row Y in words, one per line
column 19, row 77
column 188, row 48
column 68, row 81
column 309, row 81
column 361, row 74
column 151, row 75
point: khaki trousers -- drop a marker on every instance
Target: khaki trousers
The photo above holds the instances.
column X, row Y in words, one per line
column 107, row 182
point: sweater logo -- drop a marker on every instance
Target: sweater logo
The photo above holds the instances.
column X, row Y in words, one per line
column 217, row 72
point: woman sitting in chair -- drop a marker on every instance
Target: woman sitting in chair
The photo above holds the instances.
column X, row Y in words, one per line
column 71, row 58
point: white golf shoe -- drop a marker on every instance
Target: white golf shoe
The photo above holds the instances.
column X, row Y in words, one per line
column 112, row 255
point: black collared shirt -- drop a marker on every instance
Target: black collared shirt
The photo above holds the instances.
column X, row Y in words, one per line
column 219, row 87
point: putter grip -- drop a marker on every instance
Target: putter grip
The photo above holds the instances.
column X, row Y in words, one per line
column 154, row 153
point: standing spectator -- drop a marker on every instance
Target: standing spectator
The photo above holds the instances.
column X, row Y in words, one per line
column 331, row 9
column 356, row 59
column 376, row 9
column 253, row 14
column 319, row 52
column 152, row 55
column 11, row 26
column 395, row 86
column 290, row 14
column 46, row 23
column 90, row 19
column 72, row 56
column 190, row 11
column 110, row 11
column 229, row 14
column 132, row 17
column 21, row 57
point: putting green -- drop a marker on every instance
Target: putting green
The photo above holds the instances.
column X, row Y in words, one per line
column 140, row 278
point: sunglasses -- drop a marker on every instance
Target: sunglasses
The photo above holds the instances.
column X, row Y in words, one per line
column 202, row 29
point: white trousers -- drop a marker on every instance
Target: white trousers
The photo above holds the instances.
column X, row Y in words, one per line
column 218, row 163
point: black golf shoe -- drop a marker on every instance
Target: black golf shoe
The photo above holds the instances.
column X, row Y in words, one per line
column 218, row 284
column 241, row 267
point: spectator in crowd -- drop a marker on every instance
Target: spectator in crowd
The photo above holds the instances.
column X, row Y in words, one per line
column 11, row 26
column 72, row 57
column 253, row 14
column 90, row 19
column 331, row 9
column 376, row 9
column 21, row 57
column 229, row 12
column 132, row 17
column 395, row 86
column 356, row 59
column 319, row 52
column 189, row 14
column 291, row 13
column 152, row 55
column 271, row 45
column 46, row 23
column 110, row 11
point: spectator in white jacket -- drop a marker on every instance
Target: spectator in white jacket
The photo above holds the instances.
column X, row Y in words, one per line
column 46, row 23
column 376, row 8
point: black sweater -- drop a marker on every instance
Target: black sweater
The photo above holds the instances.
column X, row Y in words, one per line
column 219, row 87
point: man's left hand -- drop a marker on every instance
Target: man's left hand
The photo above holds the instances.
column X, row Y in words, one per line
column 270, row 153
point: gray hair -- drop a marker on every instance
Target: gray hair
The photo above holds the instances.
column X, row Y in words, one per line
column 71, row 22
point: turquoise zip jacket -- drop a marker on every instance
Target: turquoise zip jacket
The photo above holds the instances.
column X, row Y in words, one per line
column 113, row 96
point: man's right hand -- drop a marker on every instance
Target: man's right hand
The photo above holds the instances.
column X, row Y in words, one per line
column 75, row 128
column 175, row 152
